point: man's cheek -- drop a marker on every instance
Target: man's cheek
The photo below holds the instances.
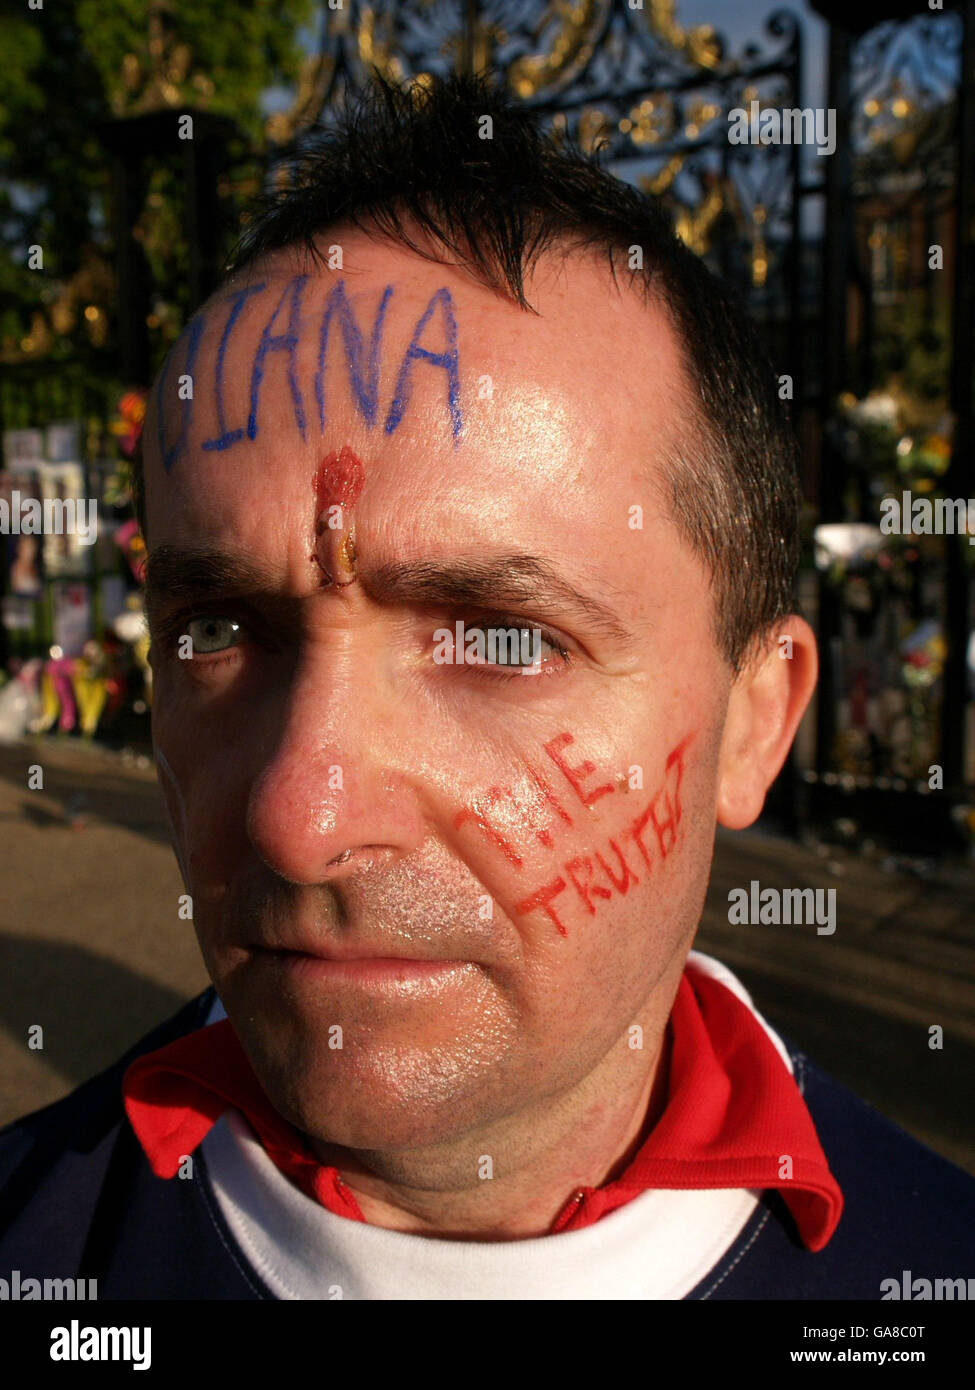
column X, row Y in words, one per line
column 569, row 839
column 202, row 822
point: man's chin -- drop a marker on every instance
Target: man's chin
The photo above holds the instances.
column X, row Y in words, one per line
column 377, row 1098
column 380, row 1080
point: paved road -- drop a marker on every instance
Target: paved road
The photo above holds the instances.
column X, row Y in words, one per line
column 92, row 947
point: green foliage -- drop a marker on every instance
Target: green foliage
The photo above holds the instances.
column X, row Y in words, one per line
column 77, row 64
column 22, row 46
column 914, row 347
column 51, row 101
column 219, row 56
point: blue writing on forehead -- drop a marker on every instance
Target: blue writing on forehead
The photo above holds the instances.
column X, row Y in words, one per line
column 362, row 362
column 281, row 342
column 194, row 333
column 227, row 437
column 365, row 384
column 449, row 360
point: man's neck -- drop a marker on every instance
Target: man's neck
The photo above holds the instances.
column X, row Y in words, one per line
column 580, row 1138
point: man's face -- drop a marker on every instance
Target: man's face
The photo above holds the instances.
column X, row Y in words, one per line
column 533, row 848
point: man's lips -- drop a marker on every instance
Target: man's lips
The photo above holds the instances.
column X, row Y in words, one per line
column 346, row 951
column 376, row 965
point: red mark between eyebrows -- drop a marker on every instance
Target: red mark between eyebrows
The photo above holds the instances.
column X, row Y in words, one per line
column 340, row 479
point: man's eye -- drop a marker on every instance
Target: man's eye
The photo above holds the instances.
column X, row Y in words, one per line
column 500, row 647
column 513, row 647
column 214, row 634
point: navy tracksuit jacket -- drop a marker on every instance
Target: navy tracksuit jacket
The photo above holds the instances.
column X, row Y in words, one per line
column 78, row 1199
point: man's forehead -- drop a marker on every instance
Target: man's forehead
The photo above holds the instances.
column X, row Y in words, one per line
column 461, row 393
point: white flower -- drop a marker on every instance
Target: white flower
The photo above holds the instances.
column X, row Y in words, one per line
column 879, row 408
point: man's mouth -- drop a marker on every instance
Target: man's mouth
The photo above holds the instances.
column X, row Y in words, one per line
column 371, row 967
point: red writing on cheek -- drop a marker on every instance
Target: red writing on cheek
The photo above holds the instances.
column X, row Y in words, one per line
column 542, row 799
column 664, row 812
column 542, row 901
column 621, row 884
column 585, row 886
column 596, row 877
column 477, row 812
column 547, row 798
column 575, row 775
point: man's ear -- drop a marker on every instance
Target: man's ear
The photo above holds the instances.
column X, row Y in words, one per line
column 767, row 700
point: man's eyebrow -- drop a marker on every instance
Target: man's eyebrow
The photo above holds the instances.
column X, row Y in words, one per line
column 181, row 573
column 506, row 578
column 178, row 573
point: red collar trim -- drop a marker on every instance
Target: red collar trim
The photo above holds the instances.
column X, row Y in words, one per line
column 734, row 1117
column 175, row 1096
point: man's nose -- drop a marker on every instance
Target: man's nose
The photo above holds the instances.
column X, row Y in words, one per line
column 336, row 788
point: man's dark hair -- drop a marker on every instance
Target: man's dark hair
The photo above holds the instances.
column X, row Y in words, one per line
column 410, row 164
